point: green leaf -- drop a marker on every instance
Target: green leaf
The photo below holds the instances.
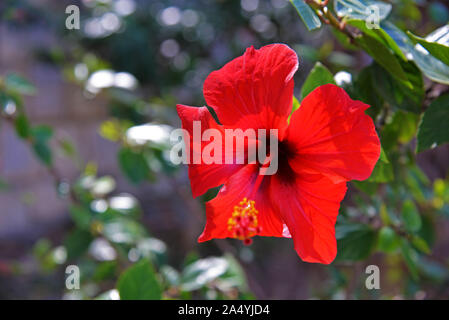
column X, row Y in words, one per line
column 19, row 84
column 122, row 230
column 380, row 35
column 433, row 68
column 354, row 241
column 43, row 152
column 433, row 129
column 170, row 275
column 307, row 15
column 295, row 107
column 420, row 244
column 410, row 258
column 410, row 216
column 296, row 104
column 399, row 128
column 437, row 43
column 362, row 9
column 432, row 269
column 22, row 126
column 201, row 272
column 105, row 270
column 154, row 249
column 76, row 243
column 383, row 56
column 318, row 76
column 68, row 149
column 383, row 171
column 134, row 165
column 139, row 282
column 234, row 277
column 388, row 241
column 379, row 86
column 42, row 133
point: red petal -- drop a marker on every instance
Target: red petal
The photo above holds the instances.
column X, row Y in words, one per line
column 332, row 135
column 309, row 208
column 254, row 90
column 204, row 176
column 239, row 186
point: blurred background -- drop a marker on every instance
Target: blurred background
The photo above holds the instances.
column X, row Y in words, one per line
column 84, row 172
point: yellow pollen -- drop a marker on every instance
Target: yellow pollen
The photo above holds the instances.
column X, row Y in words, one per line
column 243, row 222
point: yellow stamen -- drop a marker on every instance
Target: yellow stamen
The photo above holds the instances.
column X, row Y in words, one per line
column 243, row 223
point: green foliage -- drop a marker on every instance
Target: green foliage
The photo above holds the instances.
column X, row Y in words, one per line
column 360, row 9
column 388, row 240
column 354, row 241
column 433, row 129
column 318, row 76
column 393, row 213
column 383, row 56
column 383, row 171
column 134, row 165
column 410, row 216
column 433, row 68
column 139, row 282
column 22, row 126
column 19, row 84
column 437, row 43
column 307, row 15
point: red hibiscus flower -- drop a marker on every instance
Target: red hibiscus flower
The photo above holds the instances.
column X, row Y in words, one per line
column 328, row 142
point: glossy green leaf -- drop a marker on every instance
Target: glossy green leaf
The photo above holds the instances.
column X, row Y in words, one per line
column 139, row 282
column 366, row 10
column 437, row 43
column 433, row 129
column 318, row 76
column 433, row 68
column 354, row 241
column 307, row 15
column 380, row 35
column 379, row 86
column 201, row 272
column 383, row 56
column 122, row 230
column 234, row 277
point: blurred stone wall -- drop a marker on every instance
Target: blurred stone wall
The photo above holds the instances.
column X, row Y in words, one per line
column 30, row 208
column 31, row 201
